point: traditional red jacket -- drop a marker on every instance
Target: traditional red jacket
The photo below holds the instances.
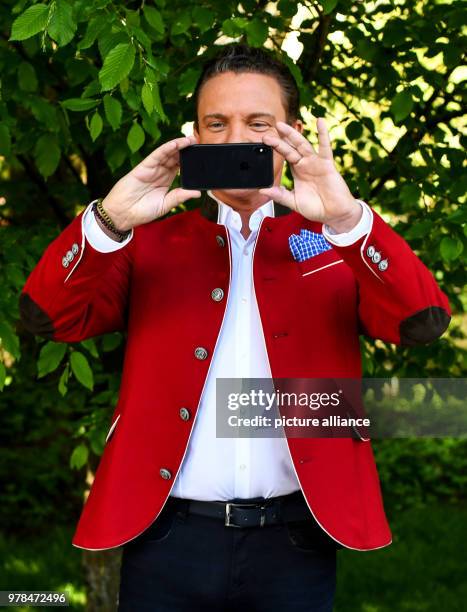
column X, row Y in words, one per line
column 158, row 288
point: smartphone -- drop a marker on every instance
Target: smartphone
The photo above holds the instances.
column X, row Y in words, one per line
column 242, row 165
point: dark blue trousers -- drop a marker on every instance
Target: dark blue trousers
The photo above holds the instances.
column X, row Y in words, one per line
column 189, row 563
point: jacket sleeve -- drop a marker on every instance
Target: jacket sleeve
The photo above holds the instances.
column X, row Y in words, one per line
column 76, row 292
column 399, row 299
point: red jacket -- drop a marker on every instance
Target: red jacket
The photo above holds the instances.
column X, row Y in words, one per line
column 158, row 288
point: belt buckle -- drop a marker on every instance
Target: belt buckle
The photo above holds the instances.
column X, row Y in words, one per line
column 228, row 513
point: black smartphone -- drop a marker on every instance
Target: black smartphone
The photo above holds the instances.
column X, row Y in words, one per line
column 242, row 165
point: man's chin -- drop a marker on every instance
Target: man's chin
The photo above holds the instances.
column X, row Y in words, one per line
column 236, row 193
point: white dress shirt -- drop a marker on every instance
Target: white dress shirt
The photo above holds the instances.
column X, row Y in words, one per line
column 227, row 468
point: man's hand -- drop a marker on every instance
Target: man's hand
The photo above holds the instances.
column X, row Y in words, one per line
column 143, row 194
column 320, row 193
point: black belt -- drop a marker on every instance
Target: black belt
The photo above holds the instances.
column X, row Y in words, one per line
column 256, row 512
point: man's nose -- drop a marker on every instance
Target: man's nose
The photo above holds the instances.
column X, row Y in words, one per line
column 238, row 133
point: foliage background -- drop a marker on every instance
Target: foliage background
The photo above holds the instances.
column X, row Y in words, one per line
column 88, row 89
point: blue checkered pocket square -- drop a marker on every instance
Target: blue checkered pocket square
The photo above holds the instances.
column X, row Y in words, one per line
column 307, row 244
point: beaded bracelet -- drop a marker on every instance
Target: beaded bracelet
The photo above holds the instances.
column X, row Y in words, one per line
column 104, row 218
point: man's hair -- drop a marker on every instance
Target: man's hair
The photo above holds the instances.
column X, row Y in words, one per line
column 240, row 58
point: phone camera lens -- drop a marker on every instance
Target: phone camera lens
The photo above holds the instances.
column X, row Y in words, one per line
column 259, row 149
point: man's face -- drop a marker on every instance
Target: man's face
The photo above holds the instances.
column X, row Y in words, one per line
column 241, row 108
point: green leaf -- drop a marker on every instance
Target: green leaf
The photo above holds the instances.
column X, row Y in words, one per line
column 419, row 229
column 79, row 104
column 2, row 375
column 95, row 27
column 450, row 248
column 29, row 23
column 257, row 32
column 188, row 80
column 154, row 18
column 147, row 98
column 328, row 5
column 79, row 456
column 135, row 138
column 47, row 154
column 9, row 340
column 410, row 195
column 401, row 105
column 117, row 65
column 113, row 111
column 181, row 23
column 90, row 345
column 5, row 140
column 81, row 369
column 95, row 126
column 63, row 382
column 203, row 17
column 354, row 130
column 111, row 341
column 50, row 357
column 27, row 79
column 157, row 102
column 62, row 26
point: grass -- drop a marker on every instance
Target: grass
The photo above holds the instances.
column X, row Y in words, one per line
column 423, row 570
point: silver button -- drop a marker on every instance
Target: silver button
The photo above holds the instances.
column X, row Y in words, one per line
column 200, row 352
column 370, row 251
column 75, row 248
column 376, row 257
column 166, row 474
column 217, row 294
column 69, row 255
column 220, row 241
column 184, row 414
column 65, row 262
column 383, row 265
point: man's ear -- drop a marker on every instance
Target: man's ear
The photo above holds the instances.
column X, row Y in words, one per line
column 195, row 131
column 298, row 125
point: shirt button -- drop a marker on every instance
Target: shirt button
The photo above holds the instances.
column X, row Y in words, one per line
column 184, row 414
column 200, row 352
column 220, row 241
column 242, row 466
column 244, row 300
column 166, row 474
column 75, row 248
column 217, row 294
column 246, row 252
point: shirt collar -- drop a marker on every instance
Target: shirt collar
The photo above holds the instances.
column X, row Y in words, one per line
column 231, row 218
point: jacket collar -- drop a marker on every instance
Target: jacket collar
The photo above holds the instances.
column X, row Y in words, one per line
column 209, row 208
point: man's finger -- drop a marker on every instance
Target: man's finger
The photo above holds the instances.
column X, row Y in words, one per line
column 179, row 195
column 324, row 141
column 281, row 195
column 168, row 150
column 297, row 140
column 283, row 148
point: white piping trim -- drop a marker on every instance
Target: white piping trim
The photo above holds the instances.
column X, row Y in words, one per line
column 83, row 242
column 112, row 428
column 323, row 267
column 194, row 420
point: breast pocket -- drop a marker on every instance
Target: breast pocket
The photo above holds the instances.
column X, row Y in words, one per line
column 319, row 263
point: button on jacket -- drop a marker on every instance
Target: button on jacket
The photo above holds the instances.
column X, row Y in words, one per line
column 159, row 289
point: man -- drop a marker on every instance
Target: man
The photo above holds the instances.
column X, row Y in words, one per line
column 231, row 524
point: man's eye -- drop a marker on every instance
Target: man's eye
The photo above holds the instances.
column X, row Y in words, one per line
column 216, row 124
column 258, row 124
